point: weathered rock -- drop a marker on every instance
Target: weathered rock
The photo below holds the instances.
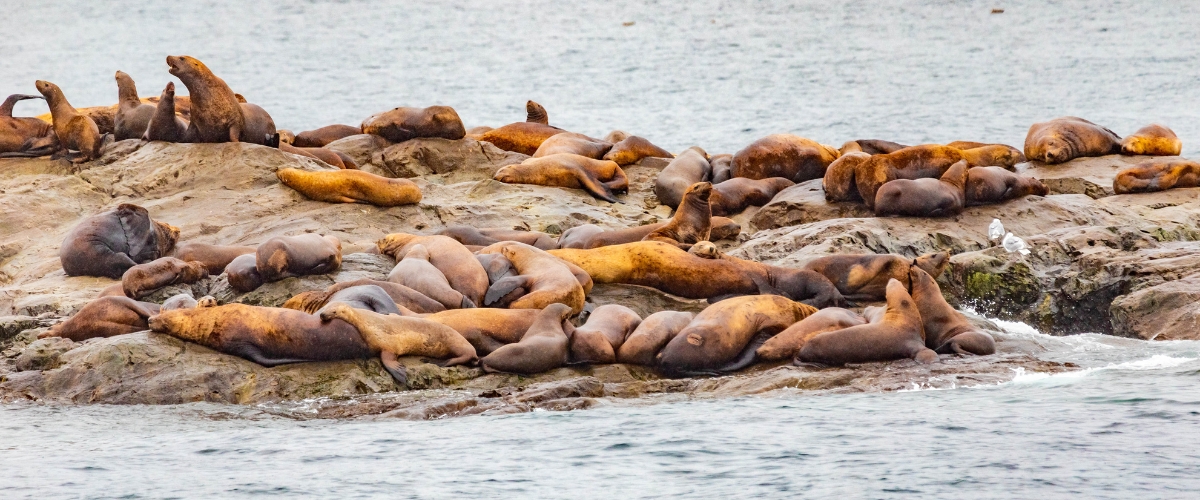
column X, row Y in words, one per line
column 1168, row 311
column 452, row 160
column 43, row 354
column 355, row 266
column 1089, row 176
column 11, row 326
column 360, row 148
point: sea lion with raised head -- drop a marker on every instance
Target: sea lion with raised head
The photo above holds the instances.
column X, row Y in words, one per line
column 302, row 255
column 573, row 143
column 643, row 344
column 214, row 257
column 787, row 343
column 598, row 340
column 140, row 280
column 523, row 137
column 320, row 137
column 1152, row 140
column 899, row 335
column 600, row 178
column 865, row 276
column 946, row 331
column 942, row 197
column 459, row 265
column 986, row 185
column 543, row 347
column 392, row 336
column 109, row 243
column 544, row 278
column 719, row 339
column 24, row 136
column 415, row 271
column 164, row 124
column 1063, row 139
column 690, row 167
column 74, row 130
column 400, row 295
column 783, row 155
column 735, row 195
column 483, row 237
column 350, row 186
column 692, row 222
column 592, row 236
column 632, row 149
column 216, row 115
column 104, row 317
column 133, row 116
column 242, row 273
column 1157, row 175
column 403, row 123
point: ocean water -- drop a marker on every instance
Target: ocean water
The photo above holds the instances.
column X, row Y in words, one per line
column 717, row 74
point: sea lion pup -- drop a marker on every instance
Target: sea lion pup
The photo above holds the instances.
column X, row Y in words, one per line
column 142, row 279
column 269, row 336
column 74, row 130
column 864, row 277
column 1152, row 140
column 179, row 301
column 327, row 156
column 691, row 223
column 720, row 338
column 722, row 167
column 320, row 137
column 242, row 273
column 870, row 147
column 404, row 123
column 838, row 183
column 483, row 237
column 898, row 336
column 24, row 136
column 1064, row 139
column 415, row 271
column 401, row 296
column 545, row 279
column 943, row 197
column 133, row 116
column 350, row 186
column 783, row 155
column 393, row 336
column 593, row 236
column 1157, row 175
column 600, row 178
column 571, row 142
column 642, row 345
column 921, row 162
column 104, row 317
column 690, row 167
column 462, row 269
column 787, row 343
column 995, row 184
column 946, row 330
column 735, row 195
column 109, row 243
column 164, row 124
column 597, row 341
column 214, row 257
column 632, row 149
column 543, row 347
column 523, row 137
column 302, row 255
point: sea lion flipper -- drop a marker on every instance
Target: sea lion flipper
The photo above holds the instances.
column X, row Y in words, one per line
column 748, row 355
column 596, row 188
column 505, row 286
column 466, row 303
column 391, row 363
column 252, row 353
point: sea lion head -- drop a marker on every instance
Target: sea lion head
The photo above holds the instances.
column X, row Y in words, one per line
column 700, row 191
column 933, row 263
column 390, row 244
column 1031, row 185
column 46, row 88
column 1057, row 150
column 507, row 175
column 705, row 249
column 336, row 310
column 169, row 90
column 309, row 302
column 186, row 66
column 168, row 235
column 919, row 279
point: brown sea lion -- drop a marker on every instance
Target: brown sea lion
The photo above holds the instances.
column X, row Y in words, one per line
column 302, row 255
column 259, row 127
column 216, row 115
column 943, row 197
column 350, row 186
column 133, row 116
column 722, row 167
column 616, row 136
column 523, row 137
column 165, row 124
column 597, row 341
column 545, row 279
column 870, row 147
column 242, row 273
column 109, row 243
column 643, row 344
column 593, row 236
column 865, row 276
column 462, row 269
column 104, row 317
column 214, row 257
column 573, row 143
column 735, row 195
column 483, row 237
column 269, row 336
column 1000, row 158
column 367, row 296
column 692, row 222
column 1152, row 140
column 74, row 130
column 838, row 183
column 720, row 338
column 401, row 296
column 783, row 155
column 415, row 271
column 632, row 149
column 142, row 279
column 393, row 335
column 24, row 136
column 1157, row 175
column 1064, row 139
column 899, row 335
column 489, row 329
column 987, row 185
column 920, row 162
column 690, row 167
column 543, row 347
column 946, row 331
column 787, row 343
column 496, row 265
column 600, row 178
column 327, row 156
column 320, row 137
column 179, row 301
column 402, row 124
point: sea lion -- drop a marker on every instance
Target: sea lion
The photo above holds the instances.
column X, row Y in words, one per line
column 616, row 136
column 213, row 257
column 543, row 347
column 632, row 149
column 497, row 266
column 320, row 137
column 691, row 223
column 783, row 155
column 142, row 279
column 259, row 128
column 164, row 124
column 946, row 330
column 393, row 335
column 720, row 338
column 350, row 186
column 920, row 162
column 545, row 279
column 179, row 301
column 1064, row 139
column 415, row 271
column 643, row 344
column 995, row 184
column 870, row 147
column 865, row 276
column 898, row 336
column 327, row 156
column 733, row 196
column 462, row 269
column 476, row 133
column 690, row 167
column 787, row 343
column 722, row 167
column 269, row 336
column 1008, row 157
column 302, row 255
column 216, row 115
column 943, row 197
column 838, row 183
column 74, row 130
column 592, row 236
column 523, row 137
column 1153, row 140
column 600, row 178
column 109, row 243
column 573, row 143
column 597, row 341
column 489, row 329
column 483, row 237
column 104, row 317
column 133, row 116
column 10, row 102
column 242, row 273
column 401, row 296
column 24, row 136
column 1157, row 175
column 403, row 123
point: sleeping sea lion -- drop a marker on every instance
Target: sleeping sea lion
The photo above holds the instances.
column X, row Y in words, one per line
column 393, row 335
column 24, row 136
column 133, row 116
column 787, row 343
column 483, row 237
column 870, row 147
column 109, row 243
column 242, row 273
column 1064, row 139
column 573, row 143
column 523, row 137
column 415, row 271
column 74, row 130
column 179, row 301
column 1152, row 140
column 592, row 236
column 401, row 296
column 720, row 338
column 142, row 279
column 544, row 278
column 865, row 276
column 919, row 162
column 462, row 269
column 164, row 124
column 838, row 183
column 597, row 341
column 690, row 167
column 899, row 335
column 489, row 329
column 350, row 186
column 600, row 178
column 104, row 317
column 943, row 197
column 1157, row 175
column 320, row 137
column 783, row 155
column 987, row 185
column 327, row 156
column 402, row 124
column 946, row 330
column 722, row 167
column 302, row 255
column 543, row 347
column 213, row 257
column 632, row 149
column 733, row 196
column 643, row 344
column 692, row 221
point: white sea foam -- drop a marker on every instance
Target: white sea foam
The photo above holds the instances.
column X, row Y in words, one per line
column 1156, row 362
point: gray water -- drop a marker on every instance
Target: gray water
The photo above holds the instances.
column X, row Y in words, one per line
column 717, row 74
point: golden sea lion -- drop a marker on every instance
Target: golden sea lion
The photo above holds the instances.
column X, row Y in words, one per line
column 783, row 155
column 1157, row 175
column 462, row 269
column 987, row 185
column 483, row 237
column 787, row 343
column 24, row 136
column 1008, row 159
column 302, row 255
column 592, row 236
column 523, row 137
column 735, row 195
column 692, row 222
column 870, row 147
column 350, row 186
column 722, row 167
column 865, row 276
column 942, row 197
column 573, row 143
column 402, row 124
column 214, row 257
column 899, row 335
column 919, row 162
column 1152, row 140
column 600, row 178
column 415, row 271
column 104, row 317
column 946, row 330
column 142, row 279
column 320, row 137
column 489, row 329
column 544, row 278
column 401, row 296
column 109, row 243
column 242, row 273
column 643, row 344
column 393, row 335
column 839, row 183
column 133, row 116
column 1064, row 139
column 632, row 149
column 165, row 124
column 720, row 338
column 543, row 347
column 690, row 167
column 597, row 340
column 74, row 130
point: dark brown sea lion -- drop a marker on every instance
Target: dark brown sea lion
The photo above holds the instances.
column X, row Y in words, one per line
column 133, row 116
column 302, row 255
column 597, row 341
column 259, row 127
column 401, row 296
column 573, row 143
column 787, row 343
column 242, row 273
column 946, row 330
column 722, row 167
column 783, row 155
column 142, row 279
column 600, row 178
column 24, row 136
column 490, row 329
column 104, row 317
column 165, row 124
column 415, row 271
column 920, row 162
column 898, row 336
column 545, row 279
column 690, row 167
column 320, row 137
column 593, row 236
column 1064, row 139
column 350, row 186
column 402, row 124
column 1157, row 175
column 483, row 237
column 523, row 137
column 328, row 156
column 214, row 257
column 74, row 130
column 216, row 115
column 462, row 269
column 543, row 347
column 692, row 222
column 943, row 197
column 871, row 147
column 393, row 335
column 735, row 195
column 109, row 243
column 719, row 338
column 1153, row 140
column 838, row 183
column 643, row 344
column 632, row 149
column 865, row 276
column 987, row 185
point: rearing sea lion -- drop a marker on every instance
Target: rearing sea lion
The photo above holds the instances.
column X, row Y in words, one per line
column 946, row 330
column 1153, row 140
column 1064, row 139
column 692, row 222
column 216, row 114
column 164, row 124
